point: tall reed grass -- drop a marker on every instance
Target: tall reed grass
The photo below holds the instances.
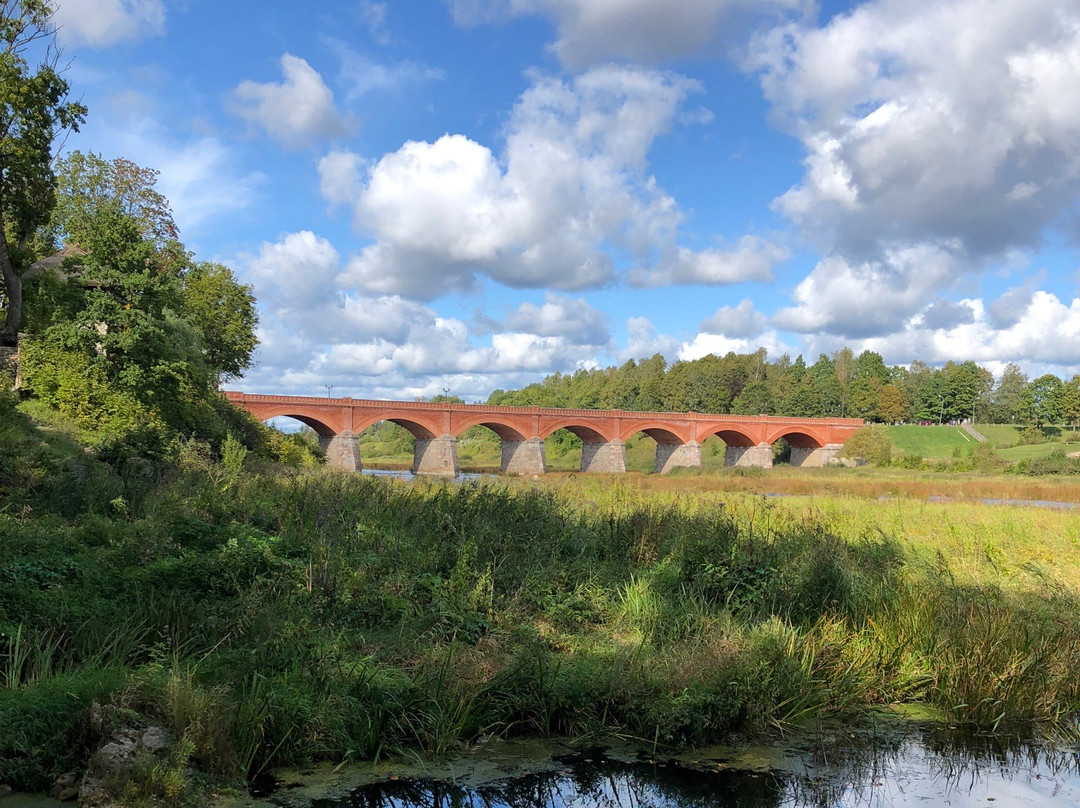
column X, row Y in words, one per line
column 290, row 617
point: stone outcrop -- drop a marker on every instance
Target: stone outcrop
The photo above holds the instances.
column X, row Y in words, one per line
column 110, row 766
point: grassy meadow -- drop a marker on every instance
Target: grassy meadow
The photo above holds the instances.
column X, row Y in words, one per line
column 268, row 616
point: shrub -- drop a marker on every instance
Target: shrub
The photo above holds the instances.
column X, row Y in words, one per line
column 913, row 462
column 1031, row 435
column 1057, row 462
column 870, row 444
column 985, row 459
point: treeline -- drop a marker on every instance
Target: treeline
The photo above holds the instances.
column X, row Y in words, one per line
column 837, row 385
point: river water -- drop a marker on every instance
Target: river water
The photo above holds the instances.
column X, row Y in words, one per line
column 918, row 766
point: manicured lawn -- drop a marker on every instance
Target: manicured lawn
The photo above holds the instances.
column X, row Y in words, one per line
column 1037, row 450
column 1000, row 434
column 930, row 441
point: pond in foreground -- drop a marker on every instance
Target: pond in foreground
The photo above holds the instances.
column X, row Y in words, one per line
column 924, row 766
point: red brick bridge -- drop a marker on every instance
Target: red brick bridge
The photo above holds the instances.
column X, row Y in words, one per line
column 436, row 427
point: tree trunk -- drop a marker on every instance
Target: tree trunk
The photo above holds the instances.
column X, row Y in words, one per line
column 9, row 334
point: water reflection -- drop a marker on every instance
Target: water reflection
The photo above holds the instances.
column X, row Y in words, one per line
column 927, row 767
column 599, row 785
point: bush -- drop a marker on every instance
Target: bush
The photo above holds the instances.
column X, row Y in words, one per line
column 1057, row 462
column 1031, row 435
column 870, row 444
column 913, row 462
column 985, row 459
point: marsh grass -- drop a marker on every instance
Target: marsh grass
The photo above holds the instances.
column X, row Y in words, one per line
column 286, row 616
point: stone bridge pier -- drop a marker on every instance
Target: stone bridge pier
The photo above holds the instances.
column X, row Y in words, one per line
column 813, row 457
column 607, row 457
column 342, row 451
column 525, row 457
column 671, row 456
column 742, row 456
column 436, row 456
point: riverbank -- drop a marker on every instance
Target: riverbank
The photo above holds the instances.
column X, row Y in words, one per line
column 888, row 760
column 266, row 617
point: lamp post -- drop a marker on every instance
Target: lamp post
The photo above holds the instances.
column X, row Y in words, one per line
column 328, row 387
column 941, row 415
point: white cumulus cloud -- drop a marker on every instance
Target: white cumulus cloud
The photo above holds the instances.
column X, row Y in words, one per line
column 651, row 31
column 296, row 111
column 315, row 332
column 752, row 259
column 741, row 321
column 571, row 318
column 570, row 189
column 100, row 23
column 941, row 137
column 340, row 176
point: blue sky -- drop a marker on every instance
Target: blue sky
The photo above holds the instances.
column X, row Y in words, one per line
column 471, row 194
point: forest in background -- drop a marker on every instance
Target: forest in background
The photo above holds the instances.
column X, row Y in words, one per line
column 837, row 385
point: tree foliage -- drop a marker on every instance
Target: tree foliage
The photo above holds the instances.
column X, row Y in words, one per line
column 224, row 312
column 86, row 182
column 34, row 108
column 133, row 336
column 870, row 444
column 860, row 386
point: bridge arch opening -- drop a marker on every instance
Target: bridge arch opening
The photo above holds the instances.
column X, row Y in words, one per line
column 796, row 448
column 299, row 425
column 724, row 446
column 414, row 428
column 390, row 445
column 656, row 449
column 340, row 449
column 571, row 447
column 494, row 446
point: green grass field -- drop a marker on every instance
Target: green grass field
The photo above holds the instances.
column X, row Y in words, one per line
column 1015, row 453
column 1000, row 434
column 936, row 442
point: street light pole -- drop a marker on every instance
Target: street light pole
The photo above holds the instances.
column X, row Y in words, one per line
column 328, row 387
column 941, row 415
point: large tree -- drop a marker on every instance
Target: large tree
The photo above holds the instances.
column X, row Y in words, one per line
column 86, row 181
column 224, row 311
column 1041, row 403
column 34, row 109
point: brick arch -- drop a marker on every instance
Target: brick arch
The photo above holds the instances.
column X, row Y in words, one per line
column 503, row 428
column 588, row 434
column 325, row 424
column 663, row 432
column 798, row 437
column 729, row 435
column 423, row 427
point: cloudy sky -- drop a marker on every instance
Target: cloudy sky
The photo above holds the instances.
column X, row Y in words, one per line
column 471, row 194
